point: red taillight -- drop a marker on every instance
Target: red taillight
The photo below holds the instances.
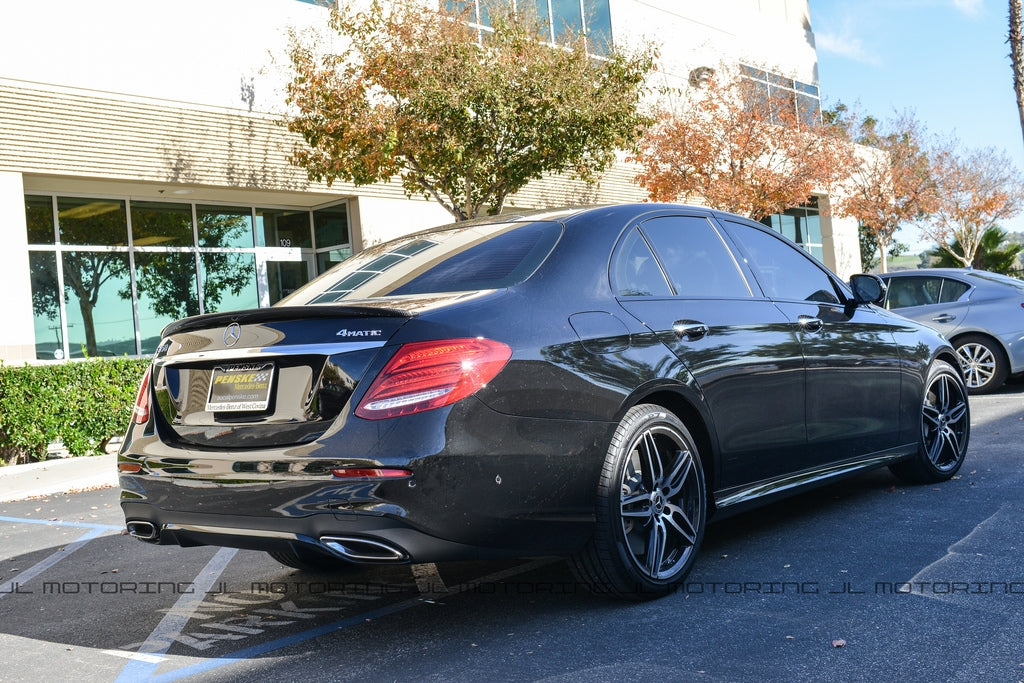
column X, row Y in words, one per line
column 370, row 472
column 427, row 375
column 140, row 414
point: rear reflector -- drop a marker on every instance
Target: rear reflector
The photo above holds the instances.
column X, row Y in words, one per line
column 370, row 473
column 140, row 414
column 129, row 467
column 427, row 375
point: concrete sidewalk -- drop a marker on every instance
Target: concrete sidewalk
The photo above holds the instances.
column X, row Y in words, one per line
column 57, row 476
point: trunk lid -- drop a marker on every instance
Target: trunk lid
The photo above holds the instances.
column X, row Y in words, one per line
column 268, row 377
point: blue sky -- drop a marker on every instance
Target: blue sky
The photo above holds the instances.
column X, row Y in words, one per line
column 944, row 60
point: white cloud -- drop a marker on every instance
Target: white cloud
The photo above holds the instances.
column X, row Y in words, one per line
column 969, row 7
column 846, row 46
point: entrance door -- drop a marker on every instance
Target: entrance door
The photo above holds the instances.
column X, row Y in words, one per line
column 281, row 271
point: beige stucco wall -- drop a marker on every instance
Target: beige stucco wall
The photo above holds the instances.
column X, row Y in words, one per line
column 17, row 338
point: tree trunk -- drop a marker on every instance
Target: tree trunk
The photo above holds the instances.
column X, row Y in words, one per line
column 1016, row 40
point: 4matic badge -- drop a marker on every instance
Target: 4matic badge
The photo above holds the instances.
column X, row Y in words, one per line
column 359, row 333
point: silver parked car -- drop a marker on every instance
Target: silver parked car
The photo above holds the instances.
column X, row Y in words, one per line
column 980, row 313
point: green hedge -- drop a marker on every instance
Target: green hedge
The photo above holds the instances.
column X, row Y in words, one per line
column 80, row 403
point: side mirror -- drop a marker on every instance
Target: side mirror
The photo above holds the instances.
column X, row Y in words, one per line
column 867, row 289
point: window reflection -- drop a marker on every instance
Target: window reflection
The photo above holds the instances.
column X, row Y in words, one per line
column 46, row 305
column 99, row 306
column 184, row 258
column 224, row 227
column 283, row 228
column 97, row 222
column 229, row 282
column 164, row 225
column 166, row 283
column 39, row 220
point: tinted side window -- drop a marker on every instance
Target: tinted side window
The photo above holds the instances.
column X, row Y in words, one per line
column 695, row 257
column 636, row 272
column 913, row 291
column 952, row 290
column 783, row 271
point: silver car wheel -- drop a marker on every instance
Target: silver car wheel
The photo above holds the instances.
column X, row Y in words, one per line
column 978, row 363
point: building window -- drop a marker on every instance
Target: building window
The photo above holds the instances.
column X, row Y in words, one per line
column 109, row 274
column 802, row 225
column 768, row 86
column 562, row 19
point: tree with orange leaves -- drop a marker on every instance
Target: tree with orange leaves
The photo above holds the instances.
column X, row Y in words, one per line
column 738, row 148
column 463, row 116
column 892, row 182
column 976, row 190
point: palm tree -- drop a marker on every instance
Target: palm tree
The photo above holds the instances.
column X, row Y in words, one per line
column 1016, row 41
column 994, row 253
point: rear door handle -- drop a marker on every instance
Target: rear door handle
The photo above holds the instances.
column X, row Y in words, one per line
column 944, row 318
column 809, row 323
column 690, row 330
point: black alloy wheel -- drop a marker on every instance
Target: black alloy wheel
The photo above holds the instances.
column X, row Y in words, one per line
column 945, row 428
column 651, row 510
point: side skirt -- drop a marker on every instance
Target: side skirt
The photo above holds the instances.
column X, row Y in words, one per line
column 740, row 498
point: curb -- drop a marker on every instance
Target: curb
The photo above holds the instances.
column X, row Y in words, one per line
column 18, row 482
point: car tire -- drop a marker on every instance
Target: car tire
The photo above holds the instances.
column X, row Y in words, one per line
column 983, row 361
column 651, row 509
column 945, row 428
column 311, row 561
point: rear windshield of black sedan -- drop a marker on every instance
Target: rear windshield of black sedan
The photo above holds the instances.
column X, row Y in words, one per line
column 460, row 259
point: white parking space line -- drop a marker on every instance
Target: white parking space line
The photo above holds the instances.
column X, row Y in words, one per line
column 38, row 568
column 428, row 580
column 160, row 640
column 138, row 656
column 356, row 620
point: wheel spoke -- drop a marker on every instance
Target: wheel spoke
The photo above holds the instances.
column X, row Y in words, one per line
column 655, row 553
column 680, row 473
column 651, row 459
column 931, row 415
column 682, row 523
column 632, row 499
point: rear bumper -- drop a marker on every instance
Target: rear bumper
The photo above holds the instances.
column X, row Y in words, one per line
column 361, row 539
column 507, row 486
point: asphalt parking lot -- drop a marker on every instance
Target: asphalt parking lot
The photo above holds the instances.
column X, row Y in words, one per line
column 865, row 580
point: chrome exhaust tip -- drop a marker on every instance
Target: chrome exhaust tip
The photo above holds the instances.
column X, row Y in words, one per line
column 144, row 531
column 363, row 549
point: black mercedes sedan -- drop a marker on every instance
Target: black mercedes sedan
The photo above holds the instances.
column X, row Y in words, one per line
column 592, row 383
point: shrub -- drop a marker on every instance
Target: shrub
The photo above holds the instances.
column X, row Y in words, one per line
column 80, row 403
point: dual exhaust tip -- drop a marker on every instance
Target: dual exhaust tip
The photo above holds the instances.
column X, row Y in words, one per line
column 351, row 548
column 144, row 531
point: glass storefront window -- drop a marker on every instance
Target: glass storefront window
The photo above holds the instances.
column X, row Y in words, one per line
column 92, row 222
column 46, row 304
column 331, row 226
column 98, row 298
column 802, row 224
column 568, row 19
column 325, row 260
column 225, row 227
column 39, row 220
column 155, row 224
column 229, row 282
column 283, row 228
column 166, row 283
column 184, row 259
